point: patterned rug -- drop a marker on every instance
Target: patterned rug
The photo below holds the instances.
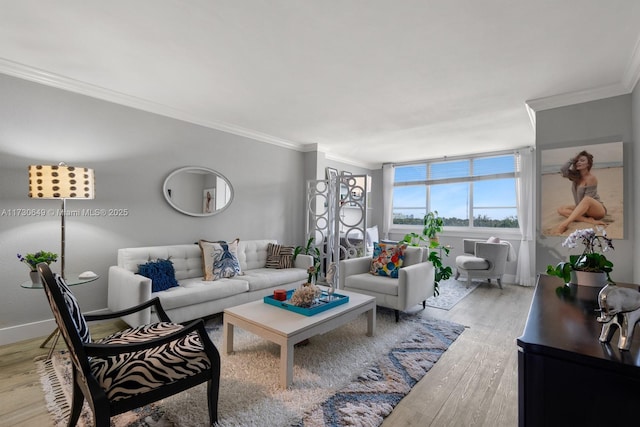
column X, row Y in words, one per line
column 340, row 378
column 451, row 292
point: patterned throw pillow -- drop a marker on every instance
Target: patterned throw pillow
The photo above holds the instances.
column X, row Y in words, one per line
column 74, row 309
column 161, row 273
column 279, row 256
column 387, row 259
column 219, row 259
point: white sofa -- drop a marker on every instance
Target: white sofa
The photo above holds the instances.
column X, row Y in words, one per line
column 195, row 298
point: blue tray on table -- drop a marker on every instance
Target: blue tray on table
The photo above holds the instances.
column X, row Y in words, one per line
column 320, row 305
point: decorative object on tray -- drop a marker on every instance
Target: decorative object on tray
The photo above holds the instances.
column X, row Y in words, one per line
column 280, row 295
column 330, row 278
column 318, row 305
column 591, row 261
column 305, row 295
column 618, row 307
column 34, row 259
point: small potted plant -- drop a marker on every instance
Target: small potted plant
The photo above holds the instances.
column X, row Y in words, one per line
column 311, row 250
column 591, row 260
column 432, row 225
column 34, row 259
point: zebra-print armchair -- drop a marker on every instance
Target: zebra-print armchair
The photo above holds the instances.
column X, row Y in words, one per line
column 133, row 367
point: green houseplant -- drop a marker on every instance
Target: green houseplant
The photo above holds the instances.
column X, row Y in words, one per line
column 432, row 224
column 31, row 260
column 309, row 249
column 592, row 258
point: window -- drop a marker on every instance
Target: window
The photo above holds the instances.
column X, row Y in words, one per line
column 472, row 192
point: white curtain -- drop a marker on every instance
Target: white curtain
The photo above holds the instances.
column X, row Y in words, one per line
column 387, row 198
column 525, row 203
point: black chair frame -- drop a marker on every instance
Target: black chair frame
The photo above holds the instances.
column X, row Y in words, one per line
column 86, row 386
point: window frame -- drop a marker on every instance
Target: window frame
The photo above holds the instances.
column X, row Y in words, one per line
column 470, row 179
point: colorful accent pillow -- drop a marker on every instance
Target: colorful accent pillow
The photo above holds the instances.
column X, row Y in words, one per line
column 161, row 273
column 220, row 259
column 279, row 256
column 387, row 259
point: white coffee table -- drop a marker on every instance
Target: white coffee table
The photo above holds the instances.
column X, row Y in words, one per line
column 287, row 328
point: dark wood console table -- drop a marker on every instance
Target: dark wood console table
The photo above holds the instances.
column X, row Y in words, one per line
column 566, row 377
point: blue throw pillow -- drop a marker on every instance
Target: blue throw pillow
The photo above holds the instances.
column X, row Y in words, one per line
column 161, row 273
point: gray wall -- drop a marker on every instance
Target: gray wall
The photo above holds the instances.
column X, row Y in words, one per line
column 605, row 120
column 40, row 124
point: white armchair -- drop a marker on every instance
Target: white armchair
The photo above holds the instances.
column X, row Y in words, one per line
column 482, row 259
column 415, row 282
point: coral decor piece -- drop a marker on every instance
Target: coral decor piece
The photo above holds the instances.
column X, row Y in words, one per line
column 305, row 295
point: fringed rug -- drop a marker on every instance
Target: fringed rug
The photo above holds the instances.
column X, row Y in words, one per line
column 340, row 378
column 451, row 292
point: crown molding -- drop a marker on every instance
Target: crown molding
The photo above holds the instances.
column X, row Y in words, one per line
column 36, row 75
column 352, row 162
column 578, row 97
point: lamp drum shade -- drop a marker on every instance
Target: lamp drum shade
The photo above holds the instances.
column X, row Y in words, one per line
column 60, row 182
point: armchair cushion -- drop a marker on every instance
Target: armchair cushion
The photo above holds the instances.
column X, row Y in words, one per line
column 470, row 262
column 375, row 284
column 127, row 374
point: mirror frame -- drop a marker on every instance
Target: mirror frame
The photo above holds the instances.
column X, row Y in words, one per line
column 165, row 189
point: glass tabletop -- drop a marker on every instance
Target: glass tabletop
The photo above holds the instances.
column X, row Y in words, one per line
column 71, row 280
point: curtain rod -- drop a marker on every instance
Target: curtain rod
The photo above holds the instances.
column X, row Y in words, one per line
column 468, row 156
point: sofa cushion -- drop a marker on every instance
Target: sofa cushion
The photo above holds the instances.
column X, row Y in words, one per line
column 252, row 254
column 279, row 256
column 263, row 278
column 377, row 284
column 387, row 259
column 161, row 273
column 186, row 259
column 195, row 291
column 219, row 259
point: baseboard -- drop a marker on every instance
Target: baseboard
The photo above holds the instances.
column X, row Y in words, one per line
column 27, row 331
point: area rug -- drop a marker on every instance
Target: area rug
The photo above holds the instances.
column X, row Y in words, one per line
column 451, row 292
column 340, row 378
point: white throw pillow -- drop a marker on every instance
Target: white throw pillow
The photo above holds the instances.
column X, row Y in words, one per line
column 372, row 237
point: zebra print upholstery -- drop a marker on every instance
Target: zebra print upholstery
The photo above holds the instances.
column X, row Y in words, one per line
column 135, row 366
column 127, row 374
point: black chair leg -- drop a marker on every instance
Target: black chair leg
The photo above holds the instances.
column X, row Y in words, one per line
column 397, row 316
column 77, row 400
column 212, row 398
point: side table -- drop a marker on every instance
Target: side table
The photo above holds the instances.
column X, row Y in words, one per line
column 71, row 280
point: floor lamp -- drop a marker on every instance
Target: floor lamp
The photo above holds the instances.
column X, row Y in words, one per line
column 61, row 182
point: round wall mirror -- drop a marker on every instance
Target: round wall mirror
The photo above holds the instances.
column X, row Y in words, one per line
column 197, row 191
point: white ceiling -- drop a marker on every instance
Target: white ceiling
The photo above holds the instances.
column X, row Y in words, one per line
column 369, row 81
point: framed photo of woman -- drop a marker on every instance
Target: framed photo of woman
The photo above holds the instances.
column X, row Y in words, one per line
column 582, row 187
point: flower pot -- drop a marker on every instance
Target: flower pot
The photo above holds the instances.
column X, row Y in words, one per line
column 35, row 277
column 589, row 278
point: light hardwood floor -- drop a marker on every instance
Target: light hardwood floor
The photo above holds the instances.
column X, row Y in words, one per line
column 473, row 384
